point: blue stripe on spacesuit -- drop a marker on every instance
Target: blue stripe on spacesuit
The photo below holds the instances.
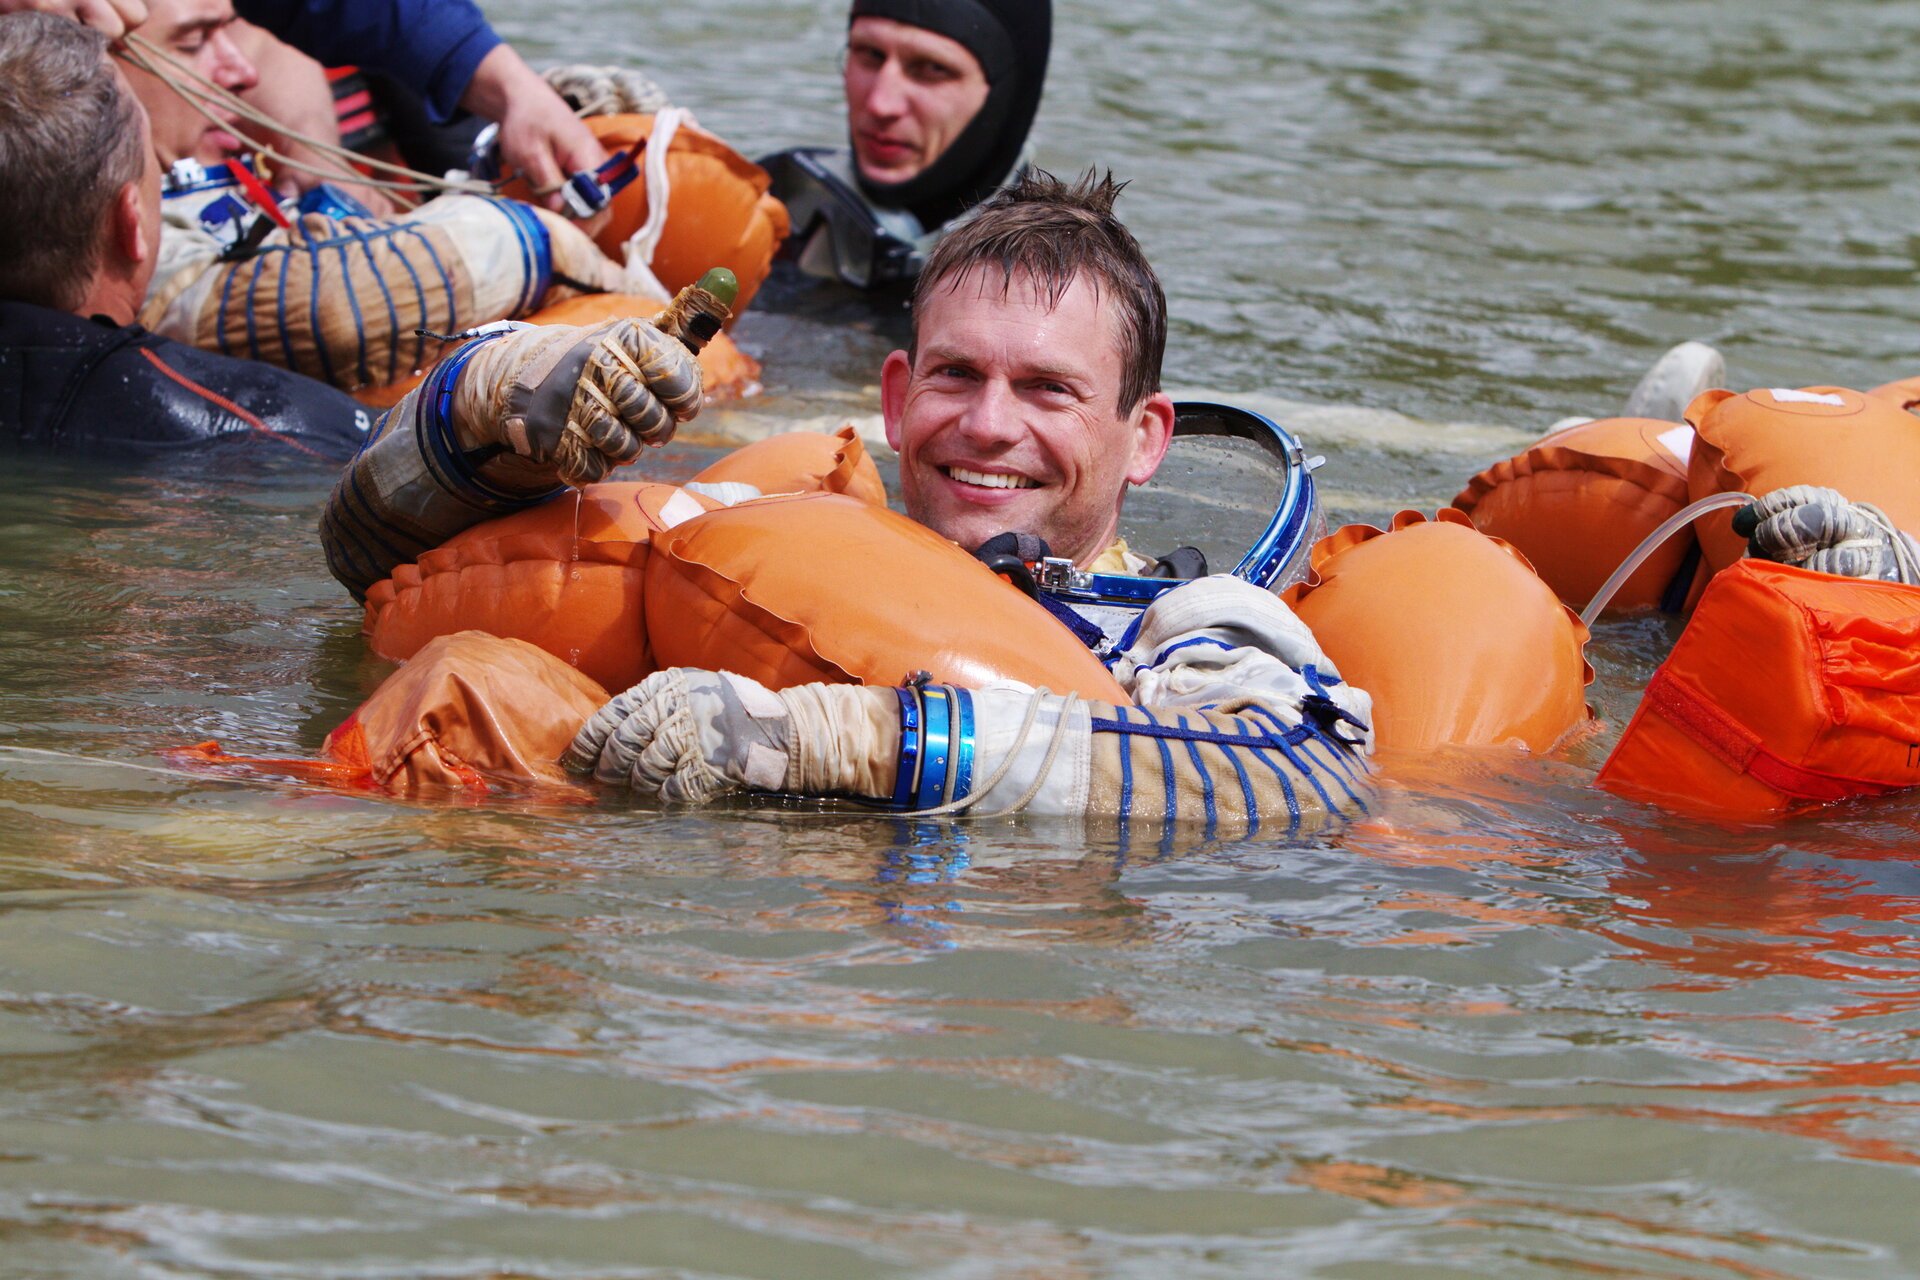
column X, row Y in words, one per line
column 1206, row 781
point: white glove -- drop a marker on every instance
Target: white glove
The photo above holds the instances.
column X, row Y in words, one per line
column 1820, row 529
column 687, row 735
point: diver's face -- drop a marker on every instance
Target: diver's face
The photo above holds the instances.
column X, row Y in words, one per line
column 197, row 33
column 1007, row 416
column 910, row 93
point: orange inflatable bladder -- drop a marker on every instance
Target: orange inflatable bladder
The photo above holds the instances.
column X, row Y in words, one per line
column 470, row 713
column 1452, row 632
column 825, row 587
column 1577, row 503
column 1866, row 447
column 565, row 576
column 1905, row 392
column 803, row 462
column 1788, row 689
column 718, row 211
column 782, row 589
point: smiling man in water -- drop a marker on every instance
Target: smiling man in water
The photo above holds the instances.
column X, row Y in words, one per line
column 1029, row 402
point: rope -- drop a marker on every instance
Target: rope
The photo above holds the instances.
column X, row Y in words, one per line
column 1903, row 552
column 197, row 90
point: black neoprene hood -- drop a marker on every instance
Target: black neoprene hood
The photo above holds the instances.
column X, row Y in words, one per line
column 1011, row 38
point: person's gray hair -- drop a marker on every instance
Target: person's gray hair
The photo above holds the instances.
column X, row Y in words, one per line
column 69, row 140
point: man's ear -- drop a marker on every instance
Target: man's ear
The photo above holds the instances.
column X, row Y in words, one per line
column 1152, row 433
column 894, row 376
column 126, row 229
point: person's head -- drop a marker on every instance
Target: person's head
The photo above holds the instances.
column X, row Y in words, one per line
column 1031, row 396
column 940, row 97
column 79, row 188
column 910, row 93
column 198, row 34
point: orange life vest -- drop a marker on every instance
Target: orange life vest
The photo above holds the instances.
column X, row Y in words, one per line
column 1788, row 688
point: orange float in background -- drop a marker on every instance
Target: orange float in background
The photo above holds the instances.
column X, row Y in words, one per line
column 1578, row 502
column 1905, row 392
column 1866, row 447
column 726, row 372
column 1457, row 639
column 718, row 211
column 1788, row 689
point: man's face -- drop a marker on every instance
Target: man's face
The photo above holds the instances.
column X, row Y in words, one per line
column 1007, row 417
column 910, row 93
column 196, row 33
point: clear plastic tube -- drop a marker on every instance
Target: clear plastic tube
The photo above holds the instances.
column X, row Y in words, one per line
column 1668, row 527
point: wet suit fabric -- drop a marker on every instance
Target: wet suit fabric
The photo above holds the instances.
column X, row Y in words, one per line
column 76, row 385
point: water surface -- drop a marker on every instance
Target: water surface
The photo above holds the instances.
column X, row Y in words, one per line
column 1512, row 1027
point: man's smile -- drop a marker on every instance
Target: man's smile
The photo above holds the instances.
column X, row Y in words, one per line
column 987, row 480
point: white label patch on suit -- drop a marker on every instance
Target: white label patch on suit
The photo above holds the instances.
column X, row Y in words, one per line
column 680, row 508
column 1782, row 395
column 1678, row 442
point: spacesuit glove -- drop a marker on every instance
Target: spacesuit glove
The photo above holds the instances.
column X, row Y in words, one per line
column 605, row 91
column 690, row 735
column 687, row 735
column 560, row 402
column 1820, row 529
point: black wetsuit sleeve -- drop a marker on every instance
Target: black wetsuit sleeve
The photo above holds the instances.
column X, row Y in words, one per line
column 432, row 46
column 118, row 391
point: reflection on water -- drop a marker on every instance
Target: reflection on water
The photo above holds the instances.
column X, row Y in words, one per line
column 1511, row 1026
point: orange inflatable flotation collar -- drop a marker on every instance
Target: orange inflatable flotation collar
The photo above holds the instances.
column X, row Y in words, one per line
column 1788, row 689
column 824, row 587
column 1577, row 503
column 621, row 579
column 1865, row 447
column 1457, row 639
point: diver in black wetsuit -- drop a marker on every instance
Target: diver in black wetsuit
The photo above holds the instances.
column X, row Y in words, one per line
column 941, row 95
column 79, row 229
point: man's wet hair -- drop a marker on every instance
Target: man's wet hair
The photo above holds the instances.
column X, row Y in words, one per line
column 1053, row 232
column 69, row 140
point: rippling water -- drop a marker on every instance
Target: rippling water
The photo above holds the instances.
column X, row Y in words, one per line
column 1512, row 1027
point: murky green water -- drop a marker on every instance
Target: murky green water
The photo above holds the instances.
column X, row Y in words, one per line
column 1513, row 1028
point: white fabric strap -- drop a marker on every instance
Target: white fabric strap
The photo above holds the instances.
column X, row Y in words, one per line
column 642, row 243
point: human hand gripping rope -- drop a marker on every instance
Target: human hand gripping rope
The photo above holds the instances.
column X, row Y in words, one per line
column 540, row 403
